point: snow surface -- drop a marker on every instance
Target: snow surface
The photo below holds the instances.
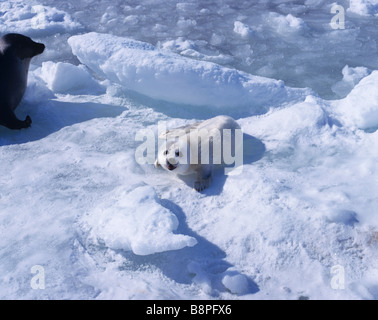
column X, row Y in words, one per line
column 74, row 200
column 34, row 19
column 364, row 7
column 170, row 77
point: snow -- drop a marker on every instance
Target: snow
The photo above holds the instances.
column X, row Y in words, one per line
column 64, row 77
column 364, row 7
column 170, row 77
column 351, row 77
column 300, row 218
column 360, row 107
column 285, row 24
column 237, row 284
column 34, row 20
column 137, row 222
column 242, row 29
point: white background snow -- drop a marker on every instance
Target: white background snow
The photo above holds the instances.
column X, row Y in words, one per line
column 300, row 222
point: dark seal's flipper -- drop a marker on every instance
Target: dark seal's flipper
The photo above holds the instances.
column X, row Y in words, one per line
column 9, row 120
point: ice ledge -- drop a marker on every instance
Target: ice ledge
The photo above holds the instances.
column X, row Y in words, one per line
column 167, row 76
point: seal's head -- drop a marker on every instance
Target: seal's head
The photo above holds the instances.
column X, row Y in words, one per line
column 172, row 157
column 22, row 46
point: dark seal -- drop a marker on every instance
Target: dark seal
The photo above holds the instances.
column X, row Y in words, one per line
column 16, row 52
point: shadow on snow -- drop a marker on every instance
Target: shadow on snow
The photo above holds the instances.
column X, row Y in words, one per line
column 51, row 116
column 203, row 264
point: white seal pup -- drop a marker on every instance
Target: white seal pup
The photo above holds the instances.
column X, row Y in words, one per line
column 16, row 52
column 197, row 147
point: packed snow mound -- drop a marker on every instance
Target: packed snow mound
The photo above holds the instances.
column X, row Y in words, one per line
column 137, row 222
column 62, row 77
column 34, row 19
column 303, row 119
column 364, row 7
column 242, row 29
column 167, row 76
column 285, row 24
column 360, row 107
column 236, row 283
column 351, row 77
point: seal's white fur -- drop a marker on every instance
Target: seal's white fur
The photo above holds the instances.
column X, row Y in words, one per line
column 176, row 154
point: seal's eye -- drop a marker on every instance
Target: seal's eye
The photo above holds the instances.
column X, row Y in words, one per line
column 165, row 152
column 177, row 153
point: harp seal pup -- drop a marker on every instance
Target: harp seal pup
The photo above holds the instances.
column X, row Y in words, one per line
column 182, row 151
column 16, row 52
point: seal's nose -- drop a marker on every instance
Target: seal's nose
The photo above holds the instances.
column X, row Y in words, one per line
column 41, row 48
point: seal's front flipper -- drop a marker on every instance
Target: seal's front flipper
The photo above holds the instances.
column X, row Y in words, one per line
column 202, row 184
column 204, row 177
column 27, row 122
column 8, row 119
